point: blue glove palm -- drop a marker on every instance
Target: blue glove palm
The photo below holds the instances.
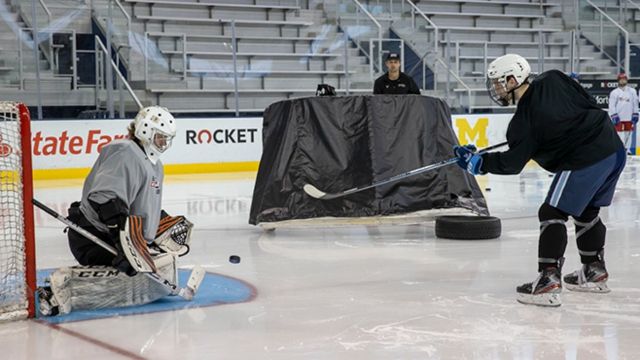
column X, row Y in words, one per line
column 615, row 119
column 464, row 153
column 468, row 159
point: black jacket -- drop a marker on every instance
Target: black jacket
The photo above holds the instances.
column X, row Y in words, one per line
column 558, row 125
column 402, row 86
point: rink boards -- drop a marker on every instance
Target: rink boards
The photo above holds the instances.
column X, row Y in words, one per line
column 68, row 148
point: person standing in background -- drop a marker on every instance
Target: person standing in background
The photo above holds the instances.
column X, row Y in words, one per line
column 394, row 82
column 623, row 109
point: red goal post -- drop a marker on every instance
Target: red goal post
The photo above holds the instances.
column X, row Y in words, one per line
column 17, row 241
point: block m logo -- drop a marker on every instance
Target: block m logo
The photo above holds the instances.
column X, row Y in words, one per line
column 473, row 135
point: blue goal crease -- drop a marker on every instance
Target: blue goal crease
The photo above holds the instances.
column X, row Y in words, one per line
column 216, row 289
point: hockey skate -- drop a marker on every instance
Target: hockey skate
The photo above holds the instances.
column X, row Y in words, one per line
column 47, row 303
column 591, row 277
column 54, row 297
column 544, row 291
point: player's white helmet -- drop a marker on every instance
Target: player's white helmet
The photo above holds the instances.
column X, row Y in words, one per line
column 498, row 73
column 155, row 128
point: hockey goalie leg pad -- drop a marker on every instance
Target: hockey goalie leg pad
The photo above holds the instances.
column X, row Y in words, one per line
column 135, row 247
column 99, row 287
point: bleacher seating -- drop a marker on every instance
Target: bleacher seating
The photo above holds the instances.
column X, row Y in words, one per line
column 179, row 52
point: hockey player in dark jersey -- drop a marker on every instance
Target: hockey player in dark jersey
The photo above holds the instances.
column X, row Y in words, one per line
column 121, row 201
column 559, row 126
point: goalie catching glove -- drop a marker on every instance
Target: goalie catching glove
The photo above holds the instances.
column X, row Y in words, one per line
column 174, row 234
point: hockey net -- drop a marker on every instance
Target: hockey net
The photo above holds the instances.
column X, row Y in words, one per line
column 17, row 250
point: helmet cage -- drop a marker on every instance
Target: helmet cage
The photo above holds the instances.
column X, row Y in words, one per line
column 499, row 97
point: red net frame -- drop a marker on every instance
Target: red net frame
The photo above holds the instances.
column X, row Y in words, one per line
column 17, row 246
column 29, row 232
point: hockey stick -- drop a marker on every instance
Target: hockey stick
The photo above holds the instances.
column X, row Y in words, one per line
column 196, row 277
column 323, row 195
column 627, row 137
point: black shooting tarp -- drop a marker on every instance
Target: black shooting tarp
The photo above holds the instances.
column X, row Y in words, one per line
column 337, row 143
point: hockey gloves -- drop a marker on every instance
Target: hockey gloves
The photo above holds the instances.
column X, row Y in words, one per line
column 133, row 250
column 174, row 234
column 634, row 118
column 615, row 119
column 468, row 159
column 463, row 153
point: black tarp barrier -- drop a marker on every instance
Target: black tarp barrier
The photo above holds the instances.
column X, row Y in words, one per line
column 336, row 143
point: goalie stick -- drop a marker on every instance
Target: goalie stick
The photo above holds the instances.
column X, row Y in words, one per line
column 187, row 293
column 323, row 195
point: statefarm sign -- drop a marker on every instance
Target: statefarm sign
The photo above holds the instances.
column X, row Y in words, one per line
column 67, row 144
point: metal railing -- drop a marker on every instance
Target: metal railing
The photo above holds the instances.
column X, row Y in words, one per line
column 54, row 54
column 103, row 13
column 28, row 12
column 46, row 11
column 436, row 31
column 542, row 44
column 356, row 33
column 624, row 16
column 155, row 61
column 440, row 62
column 622, row 33
column 103, row 61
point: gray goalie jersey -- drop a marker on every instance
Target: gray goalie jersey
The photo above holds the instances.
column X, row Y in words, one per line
column 123, row 171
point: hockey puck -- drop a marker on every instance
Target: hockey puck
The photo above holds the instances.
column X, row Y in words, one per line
column 234, row 259
column 487, row 189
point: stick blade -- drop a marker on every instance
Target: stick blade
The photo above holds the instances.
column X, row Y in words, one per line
column 195, row 279
column 314, row 191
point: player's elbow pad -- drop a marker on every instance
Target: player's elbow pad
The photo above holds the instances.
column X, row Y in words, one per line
column 112, row 213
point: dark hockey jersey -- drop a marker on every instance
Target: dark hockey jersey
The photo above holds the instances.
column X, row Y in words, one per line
column 558, row 125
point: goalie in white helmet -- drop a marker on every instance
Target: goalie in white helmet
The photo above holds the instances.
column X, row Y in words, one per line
column 558, row 125
column 121, row 204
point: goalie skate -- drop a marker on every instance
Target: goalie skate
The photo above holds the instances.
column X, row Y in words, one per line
column 56, row 298
column 47, row 303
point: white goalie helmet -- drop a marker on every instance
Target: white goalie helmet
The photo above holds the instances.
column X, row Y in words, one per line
column 155, row 128
column 498, row 72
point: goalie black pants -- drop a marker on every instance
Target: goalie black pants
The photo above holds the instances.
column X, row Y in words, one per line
column 84, row 250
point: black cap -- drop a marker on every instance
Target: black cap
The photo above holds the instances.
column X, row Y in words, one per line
column 393, row 56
